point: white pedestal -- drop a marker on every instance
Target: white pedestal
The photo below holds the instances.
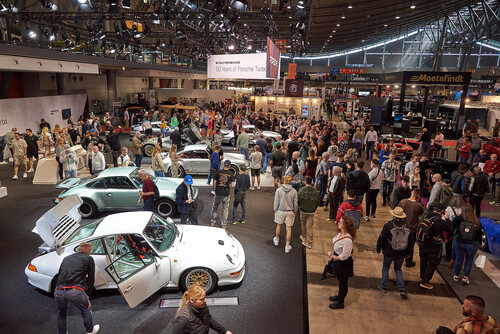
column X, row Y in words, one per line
column 3, row 192
column 46, row 171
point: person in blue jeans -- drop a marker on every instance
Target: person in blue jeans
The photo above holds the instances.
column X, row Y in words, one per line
column 240, row 192
column 385, row 244
column 76, row 274
column 214, row 163
column 466, row 244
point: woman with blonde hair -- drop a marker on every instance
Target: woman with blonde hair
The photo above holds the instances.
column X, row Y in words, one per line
column 90, row 149
column 341, row 255
column 415, row 178
column 193, row 315
column 59, row 147
column 467, row 239
column 47, row 140
column 157, row 162
column 175, row 164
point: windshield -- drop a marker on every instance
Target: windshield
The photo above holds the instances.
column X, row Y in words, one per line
column 160, row 233
column 134, row 176
column 83, row 232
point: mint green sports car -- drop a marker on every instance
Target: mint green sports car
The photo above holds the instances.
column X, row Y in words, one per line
column 117, row 189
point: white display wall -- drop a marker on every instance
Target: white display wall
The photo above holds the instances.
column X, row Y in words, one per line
column 26, row 112
column 187, row 95
column 280, row 105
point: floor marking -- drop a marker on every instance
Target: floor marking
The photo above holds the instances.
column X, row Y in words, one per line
column 222, row 301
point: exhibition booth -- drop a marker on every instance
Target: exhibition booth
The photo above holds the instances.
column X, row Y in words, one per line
column 288, row 106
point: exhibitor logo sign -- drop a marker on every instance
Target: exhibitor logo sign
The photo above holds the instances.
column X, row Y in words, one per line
column 294, row 88
column 446, row 78
column 236, row 67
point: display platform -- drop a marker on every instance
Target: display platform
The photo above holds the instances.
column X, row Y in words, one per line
column 46, row 171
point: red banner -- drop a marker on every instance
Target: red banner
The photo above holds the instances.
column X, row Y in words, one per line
column 292, row 70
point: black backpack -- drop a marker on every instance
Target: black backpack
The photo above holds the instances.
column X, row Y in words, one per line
column 425, row 232
column 466, row 231
column 157, row 191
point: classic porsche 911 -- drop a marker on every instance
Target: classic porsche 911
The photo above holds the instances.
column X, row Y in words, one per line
column 136, row 252
column 230, row 138
column 117, row 189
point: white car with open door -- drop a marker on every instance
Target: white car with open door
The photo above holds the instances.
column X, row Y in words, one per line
column 136, row 252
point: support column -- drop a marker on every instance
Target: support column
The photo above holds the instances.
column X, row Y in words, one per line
column 179, row 83
column 111, row 86
column 424, row 103
column 402, row 98
column 5, row 85
column 62, row 80
column 151, row 83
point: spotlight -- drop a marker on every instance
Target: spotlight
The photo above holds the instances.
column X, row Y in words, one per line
column 156, row 19
column 100, row 35
column 126, row 4
column 82, row 1
column 52, row 37
column 249, row 47
column 112, row 49
column 239, row 4
column 31, row 33
column 231, row 47
column 413, row 6
column 397, row 17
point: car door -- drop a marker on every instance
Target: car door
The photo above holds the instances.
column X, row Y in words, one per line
column 120, row 193
column 188, row 161
column 202, row 158
column 98, row 253
column 135, row 267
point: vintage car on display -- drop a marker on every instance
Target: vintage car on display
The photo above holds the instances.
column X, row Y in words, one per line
column 117, row 189
column 437, row 166
column 490, row 235
column 196, row 160
column 253, row 132
column 492, row 146
column 405, row 147
column 156, row 129
column 189, row 135
column 136, row 252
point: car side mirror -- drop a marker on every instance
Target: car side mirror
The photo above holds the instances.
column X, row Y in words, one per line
column 157, row 261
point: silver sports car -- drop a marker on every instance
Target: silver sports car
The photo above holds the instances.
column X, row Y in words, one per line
column 253, row 132
column 156, row 129
column 196, row 160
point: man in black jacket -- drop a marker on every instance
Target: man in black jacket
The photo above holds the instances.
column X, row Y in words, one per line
column 384, row 244
column 402, row 192
column 176, row 138
column 430, row 250
column 358, row 181
column 479, row 186
column 76, row 275
column 456, row 180
column 113, row 139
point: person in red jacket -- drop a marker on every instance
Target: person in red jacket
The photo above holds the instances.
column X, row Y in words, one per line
column 351, row 208
column 465, row 151
column 491, row 168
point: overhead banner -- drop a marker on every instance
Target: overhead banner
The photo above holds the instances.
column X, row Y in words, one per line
column 292, row 71
column 281, row 44
column 348, row 70
column 446, row 78
column 273, row 60
column 241, row 66
column 294, row 88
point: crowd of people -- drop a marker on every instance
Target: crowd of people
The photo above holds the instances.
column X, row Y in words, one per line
column 312, row 165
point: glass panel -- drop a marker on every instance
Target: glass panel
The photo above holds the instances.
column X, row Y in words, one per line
column 97, row 247
column 97, row 184
column 119, row 182
column 127, row 265
column 136, row 180
column 160, row 233
column 82, row 232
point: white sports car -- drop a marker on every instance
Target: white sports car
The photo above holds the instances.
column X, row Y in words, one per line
column 230, row 138
column 196, row 160
column 156, row 129
column 136, row 252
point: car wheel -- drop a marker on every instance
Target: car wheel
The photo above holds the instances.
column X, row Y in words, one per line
column 235, row 169
column 203, row 277
column 148, row 150
column 165, row 208
column 232, row 141
column 484, row 241
column 88, row 209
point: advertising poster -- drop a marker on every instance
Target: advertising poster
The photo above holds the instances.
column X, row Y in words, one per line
column 238, row 66
column 273, row 60
column 294, row 88
column 292, row 71
column 116, row 109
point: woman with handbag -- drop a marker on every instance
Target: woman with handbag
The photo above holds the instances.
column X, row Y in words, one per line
column 342, row 259
column 174, row 166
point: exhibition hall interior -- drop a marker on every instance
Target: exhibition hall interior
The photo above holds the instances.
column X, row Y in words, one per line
column 250, row 166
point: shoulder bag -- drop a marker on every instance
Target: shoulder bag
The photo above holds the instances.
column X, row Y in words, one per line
column 332, row 267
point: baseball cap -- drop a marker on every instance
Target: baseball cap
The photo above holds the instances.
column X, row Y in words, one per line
column 188, row 179
column 227, row 163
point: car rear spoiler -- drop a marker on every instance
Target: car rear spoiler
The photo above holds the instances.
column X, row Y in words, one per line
column 57, row 224
column 68, row 183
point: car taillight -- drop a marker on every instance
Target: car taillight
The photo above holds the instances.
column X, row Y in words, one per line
column 235, row 273
column 32, row 268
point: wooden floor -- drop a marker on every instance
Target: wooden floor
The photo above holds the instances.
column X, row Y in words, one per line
column 367, row 309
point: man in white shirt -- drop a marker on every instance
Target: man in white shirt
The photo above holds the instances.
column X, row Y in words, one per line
column 410, row 166
column 371, row 138
column 98, row 161
column 123, row 160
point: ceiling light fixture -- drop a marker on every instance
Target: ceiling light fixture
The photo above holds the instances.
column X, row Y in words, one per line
column 397, row 17
column 350, row 5
column 385, row 25
column 126, row 4
column 31, row 33
column 413, row 5
column 342, row 17
column 239, row 4
column 231, row 47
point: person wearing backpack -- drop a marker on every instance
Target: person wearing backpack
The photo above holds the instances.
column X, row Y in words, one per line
column 413, row 210
column 440, row 193
column 467, row 240
column 351, row 208
column 430, row 235
column 457, row 180
column 308, row 199
column 394, row 242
